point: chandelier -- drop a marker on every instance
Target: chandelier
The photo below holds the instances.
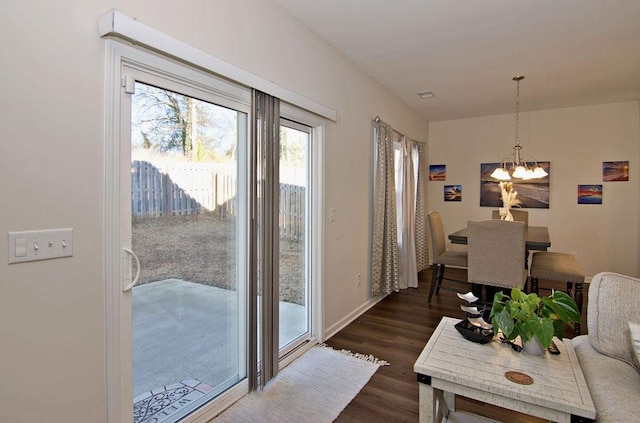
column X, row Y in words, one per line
column 518, row 167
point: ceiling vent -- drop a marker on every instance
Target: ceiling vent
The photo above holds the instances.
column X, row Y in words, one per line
column 426, row 94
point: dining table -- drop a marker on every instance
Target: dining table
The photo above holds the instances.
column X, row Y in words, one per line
column 535, row 237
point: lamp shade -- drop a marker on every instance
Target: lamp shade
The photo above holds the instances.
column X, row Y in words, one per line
column 501, row 174
column 539, row 172
column 520, row 172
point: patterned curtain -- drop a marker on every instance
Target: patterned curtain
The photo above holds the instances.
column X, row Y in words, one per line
column 384, row 263
column 422, row 249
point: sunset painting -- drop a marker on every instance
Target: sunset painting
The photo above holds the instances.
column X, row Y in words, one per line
column 438, row 172
column 453, row 193
column 615, row 171
column 589, row 194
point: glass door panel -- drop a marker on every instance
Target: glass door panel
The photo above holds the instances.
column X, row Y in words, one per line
column 294, row 219
column 188, row 324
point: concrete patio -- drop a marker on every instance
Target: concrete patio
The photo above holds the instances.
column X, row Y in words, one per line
column 187, row 330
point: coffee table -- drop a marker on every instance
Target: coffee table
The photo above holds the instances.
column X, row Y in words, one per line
column 449, row 365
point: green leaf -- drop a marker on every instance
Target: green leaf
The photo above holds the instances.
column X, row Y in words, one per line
column 545, row 335
column 563, row 306
column 516, row 294
column 558, row 328
column 526, row 331
column 568, row 305
column 497, row 305
column 503, row 321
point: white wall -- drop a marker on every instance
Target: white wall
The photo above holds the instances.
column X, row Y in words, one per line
column 576, row 141
column 52, row 313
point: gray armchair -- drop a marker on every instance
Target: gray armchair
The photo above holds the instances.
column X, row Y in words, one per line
column 607, row 354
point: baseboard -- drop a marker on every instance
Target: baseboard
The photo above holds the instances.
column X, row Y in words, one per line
column 342, row 323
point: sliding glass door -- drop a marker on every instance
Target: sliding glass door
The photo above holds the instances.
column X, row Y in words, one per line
column 181, row 329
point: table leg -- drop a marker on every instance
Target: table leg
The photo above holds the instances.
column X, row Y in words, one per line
column 433, row 407
column 450, row 400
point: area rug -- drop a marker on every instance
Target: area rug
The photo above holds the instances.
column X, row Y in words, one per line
column 314, row 388
column 160, row 404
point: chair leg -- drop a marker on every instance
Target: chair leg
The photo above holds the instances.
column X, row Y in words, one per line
column 434, row 280
column 440, row 277
column 534, row 285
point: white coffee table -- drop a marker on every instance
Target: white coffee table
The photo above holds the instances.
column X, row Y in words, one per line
column 450, row 365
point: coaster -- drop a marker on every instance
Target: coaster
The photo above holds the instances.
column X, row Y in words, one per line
column 519, row 378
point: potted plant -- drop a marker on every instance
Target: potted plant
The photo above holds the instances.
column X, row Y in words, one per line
column 532, row 317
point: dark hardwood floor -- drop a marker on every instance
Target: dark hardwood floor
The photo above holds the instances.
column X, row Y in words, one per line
column 396, row 330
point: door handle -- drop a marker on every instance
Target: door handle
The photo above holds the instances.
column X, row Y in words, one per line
column 135, row 280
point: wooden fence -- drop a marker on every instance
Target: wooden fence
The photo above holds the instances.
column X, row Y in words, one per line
column 292, row 208
column 187, row 190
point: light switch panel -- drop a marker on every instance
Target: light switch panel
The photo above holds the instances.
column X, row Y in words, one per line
column 40, row 245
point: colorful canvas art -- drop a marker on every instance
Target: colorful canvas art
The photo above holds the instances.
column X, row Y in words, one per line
column 438, row 172
column 453, row 193
column 589, row 194
column 615, row 171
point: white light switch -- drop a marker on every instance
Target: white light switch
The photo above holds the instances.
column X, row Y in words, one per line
column 21, row 247
column 40, row 245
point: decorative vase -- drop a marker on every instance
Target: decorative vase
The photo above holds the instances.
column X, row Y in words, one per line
column 505, row 213
column 533, row 347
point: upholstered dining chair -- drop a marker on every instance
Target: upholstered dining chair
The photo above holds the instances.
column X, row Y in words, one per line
column 518, row 215
column 441, row 257
column 496, row 254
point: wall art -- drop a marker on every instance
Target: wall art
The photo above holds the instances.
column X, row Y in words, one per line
column 453, row 193
column 438, row 172
column 615, row 171
column 533, row 193
column 589, row 194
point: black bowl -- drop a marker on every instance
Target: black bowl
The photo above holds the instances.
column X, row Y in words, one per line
column 474, row 333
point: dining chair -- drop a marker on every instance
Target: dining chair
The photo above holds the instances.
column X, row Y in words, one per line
column 496, row 254
column 518, row 215
column 441, row 257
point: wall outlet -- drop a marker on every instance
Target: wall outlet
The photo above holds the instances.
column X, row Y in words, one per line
column 575, row 254
column 358, row 279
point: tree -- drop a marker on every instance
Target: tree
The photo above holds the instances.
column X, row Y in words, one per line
column 166, row 121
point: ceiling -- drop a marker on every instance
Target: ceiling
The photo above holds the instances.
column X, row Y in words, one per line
column 572, row 52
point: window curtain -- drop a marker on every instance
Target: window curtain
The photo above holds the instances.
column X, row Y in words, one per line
column 265, row 150
column 422, row 246
column 399, row 232
column 406, row 155
column 384, row 260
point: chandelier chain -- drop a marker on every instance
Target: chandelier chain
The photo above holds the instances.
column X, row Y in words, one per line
column 517, row 111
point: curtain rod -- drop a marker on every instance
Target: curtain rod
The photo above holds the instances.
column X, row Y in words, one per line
column 378, row 120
